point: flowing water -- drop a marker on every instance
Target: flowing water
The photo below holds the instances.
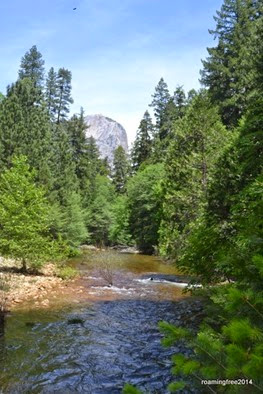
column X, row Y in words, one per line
column 106, row 337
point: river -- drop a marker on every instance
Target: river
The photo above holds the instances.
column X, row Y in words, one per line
column 106, row 337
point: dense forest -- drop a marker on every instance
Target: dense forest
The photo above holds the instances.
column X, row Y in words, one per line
column 190, row 190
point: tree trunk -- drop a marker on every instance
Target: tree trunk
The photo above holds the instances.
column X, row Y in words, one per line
column 24, row 267
column 2, row 323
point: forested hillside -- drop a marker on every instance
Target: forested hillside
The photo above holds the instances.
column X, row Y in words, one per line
column 191, row 189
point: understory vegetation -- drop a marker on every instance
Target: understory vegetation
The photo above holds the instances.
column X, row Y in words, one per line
column 190, row 190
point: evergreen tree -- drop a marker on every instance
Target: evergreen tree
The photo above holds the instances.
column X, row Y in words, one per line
column 25, row 129
column 160, row 100
column 63, row 167
column 191, row 95
column 144, row 204
column 119, row 231
column 105, row 168
column 99, row 211
column 175, row 109
column 180, row 101
column 142, row 145
column 93, row 167
column 121, row 169
column 24, row 217
column 73, row 228
column 210, row 247
column 228, row 71
column 76, row 128
column 199, row 137
column 32, row 66
column 64, row 94
column 51, row 93
column 257, row 55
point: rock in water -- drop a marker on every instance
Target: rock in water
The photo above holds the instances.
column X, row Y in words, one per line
column 107, row 133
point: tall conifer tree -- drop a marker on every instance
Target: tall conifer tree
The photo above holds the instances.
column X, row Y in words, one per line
column 121, row 169
column 228, row 71
column 64, row 94
column 32, row 66
column 142, row 144
column 51, row 93
column 160, row 100
column 25, row 128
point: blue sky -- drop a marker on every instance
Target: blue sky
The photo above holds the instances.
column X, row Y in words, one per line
column 117, row 50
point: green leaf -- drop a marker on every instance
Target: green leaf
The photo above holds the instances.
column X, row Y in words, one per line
column 176, row 386
column 129, row 389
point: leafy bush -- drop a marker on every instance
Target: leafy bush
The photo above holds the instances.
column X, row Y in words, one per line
column 67, row 273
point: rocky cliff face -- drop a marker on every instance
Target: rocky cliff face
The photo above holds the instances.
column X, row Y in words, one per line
column 107, row 133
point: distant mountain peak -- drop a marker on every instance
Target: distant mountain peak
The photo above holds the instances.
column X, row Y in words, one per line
column 108, row 134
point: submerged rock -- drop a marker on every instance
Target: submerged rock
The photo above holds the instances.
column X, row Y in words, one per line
column 75, row 320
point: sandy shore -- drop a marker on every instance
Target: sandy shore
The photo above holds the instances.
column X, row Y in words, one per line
column 35, row 290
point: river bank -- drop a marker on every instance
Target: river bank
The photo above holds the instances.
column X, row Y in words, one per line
column 29, row 288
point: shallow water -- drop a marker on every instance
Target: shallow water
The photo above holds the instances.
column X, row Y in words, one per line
column 108, row 339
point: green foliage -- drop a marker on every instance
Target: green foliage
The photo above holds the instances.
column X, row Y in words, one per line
column 229, row 70
column 67, row 273
column 24, row 217
column 119, row 231
column 98, row 216
column 64, row 98
column 121, row 169
column 142, row 145
column 25, row 129
column 73, row 228
column 229, row 235
column 65, row 180
column 234, row 352
column 161, row 97
column 144, row 202
column 129, row 389
column 32, row 66
column 172, row 333
column 51, row 93
column 93, row 167
column 199, row 137
column 173, row 387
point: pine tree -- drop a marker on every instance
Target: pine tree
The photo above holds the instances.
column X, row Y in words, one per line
column 228, row 71
column 25, row 129
column 119, row 231
column 213, row 250
column 32, row 66
column 94, row 168
column 144, row 204
column 199, row 137
column 98, row 216
column 64, row 94
column 76, row 128
column 160, row 100
column 73, row 228
column 179, row 101
column 51, row 93
column 121, row 169
column 142, row 145
column 63, row 166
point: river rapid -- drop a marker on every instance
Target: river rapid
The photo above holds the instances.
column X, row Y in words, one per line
column 102, row 338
